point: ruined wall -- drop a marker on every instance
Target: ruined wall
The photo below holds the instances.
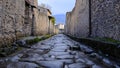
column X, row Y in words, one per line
column 11, row 20
column 51, row 29
column 43, row 22
column 14, row 20
column 68, row 21
column 78, row 20
column 105, row 18
column 36, row 14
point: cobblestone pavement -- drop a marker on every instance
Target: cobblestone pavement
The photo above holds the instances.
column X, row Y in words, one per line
column 56, row 52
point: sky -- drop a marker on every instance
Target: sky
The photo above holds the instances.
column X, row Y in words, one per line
column 59, row 6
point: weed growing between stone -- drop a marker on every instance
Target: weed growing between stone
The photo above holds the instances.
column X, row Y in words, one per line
column 37, row 39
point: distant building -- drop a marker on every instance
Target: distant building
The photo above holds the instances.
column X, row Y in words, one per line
column 60, row 27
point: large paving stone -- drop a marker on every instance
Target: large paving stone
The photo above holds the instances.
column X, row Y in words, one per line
column 22, row 65
column 51, row 64
column 43, row 47
column 33, row 59
column 85, row 49
column 78, row 65
column 15, row 58
column 89, row 62
column 49, row 59
column 60, row 44
column 66, row 66
column 80, row 60
column 65, row 57
column 58, row 53
column 96, row 66
column 60, row 48
column 67, row 61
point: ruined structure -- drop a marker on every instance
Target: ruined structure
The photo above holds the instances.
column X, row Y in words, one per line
column 44, row 25
column 94, row 18
column 19, row 18
column 77, row 22
column 43, row 21
column 12, row 21
column 105, row 18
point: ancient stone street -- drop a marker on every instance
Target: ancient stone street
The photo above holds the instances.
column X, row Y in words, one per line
column 59, row 34
column 56, row 52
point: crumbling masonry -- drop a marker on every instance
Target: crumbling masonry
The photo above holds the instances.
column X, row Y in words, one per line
column 94, row 18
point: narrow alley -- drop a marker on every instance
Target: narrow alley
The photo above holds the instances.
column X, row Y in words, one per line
column 59, row 34
column 58, row 51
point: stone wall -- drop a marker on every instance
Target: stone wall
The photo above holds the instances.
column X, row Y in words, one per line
column 43, row 24
column 36, row 14
column 51, row 27
column 95, row 18
column 105, row 18
column 19, row 18
column 78, row 20
column 14, row 22
column 11, row 20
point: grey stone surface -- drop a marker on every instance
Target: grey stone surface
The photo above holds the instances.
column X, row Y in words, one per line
column 38, row 57
column 13, row 20
column 65, row 57
column 77, row 23
column 80, row 60
column 78, row 65
column 22, row 65
column 94, row 18
column 58, row 53
column 96, row 66
column 18, row 18
column 51, row 64
column 105, row 18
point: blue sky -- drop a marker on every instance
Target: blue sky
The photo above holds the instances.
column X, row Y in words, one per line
column 59, row 6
